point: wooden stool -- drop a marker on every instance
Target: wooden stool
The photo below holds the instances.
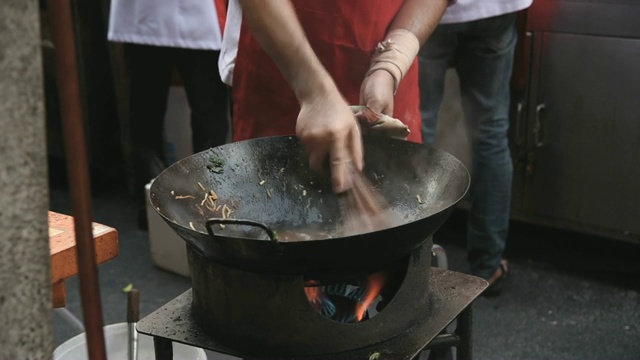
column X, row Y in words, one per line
column 64, row 261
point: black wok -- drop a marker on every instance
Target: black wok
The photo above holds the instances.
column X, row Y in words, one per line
column 267, row 184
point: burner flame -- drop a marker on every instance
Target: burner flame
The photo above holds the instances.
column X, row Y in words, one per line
column 315, row 294
column 325, row 299
column 375, row 283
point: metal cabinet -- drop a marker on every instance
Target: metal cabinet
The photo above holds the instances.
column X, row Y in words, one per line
column 577, row 136
column 575, row 124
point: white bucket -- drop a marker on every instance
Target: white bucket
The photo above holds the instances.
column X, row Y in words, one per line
column 116, row 338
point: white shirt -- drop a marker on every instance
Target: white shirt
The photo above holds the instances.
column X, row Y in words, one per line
column 227, row 59
column 469, row 10
column 461, row 11
column 191, row 24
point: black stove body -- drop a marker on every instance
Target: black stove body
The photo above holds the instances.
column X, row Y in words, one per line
column 273, row 314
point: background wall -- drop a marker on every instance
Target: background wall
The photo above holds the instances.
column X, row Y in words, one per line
column 25, row 280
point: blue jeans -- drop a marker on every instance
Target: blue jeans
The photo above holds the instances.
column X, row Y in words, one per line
column 482, row 54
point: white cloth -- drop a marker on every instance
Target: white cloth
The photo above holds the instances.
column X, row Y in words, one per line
column 470, row 10
column 227, row 59
column 191, row 24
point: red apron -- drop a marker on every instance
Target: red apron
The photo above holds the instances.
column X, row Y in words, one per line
column 221, row 10
column 343, row 35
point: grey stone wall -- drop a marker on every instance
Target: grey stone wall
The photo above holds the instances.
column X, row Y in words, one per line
column 26, row 330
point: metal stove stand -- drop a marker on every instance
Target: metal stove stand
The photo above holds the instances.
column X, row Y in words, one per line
column 452, row 295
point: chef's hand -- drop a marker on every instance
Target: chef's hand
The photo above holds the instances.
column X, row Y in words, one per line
column 329, row 131
column 376, row 92
column 326, row 125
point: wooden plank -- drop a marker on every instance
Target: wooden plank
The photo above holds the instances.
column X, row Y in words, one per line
column 62, row 245
column 59, row 294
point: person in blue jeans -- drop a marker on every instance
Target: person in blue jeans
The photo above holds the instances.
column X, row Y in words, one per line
column 478, row 37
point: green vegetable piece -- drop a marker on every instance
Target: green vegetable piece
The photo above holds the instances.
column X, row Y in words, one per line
column 128, row 288
column 374, row 356
column 216, row 161
column 216, row 165
column 217, row 170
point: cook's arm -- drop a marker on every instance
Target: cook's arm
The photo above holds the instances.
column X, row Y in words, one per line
column 411, row 27
column 276, row 27
column 420, row 17
column 325, row 125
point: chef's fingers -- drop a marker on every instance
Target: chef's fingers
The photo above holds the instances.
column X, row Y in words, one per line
column 317, row 157
column 377, row 92
column 381, row 107
column 357, row 152
column 341, row 164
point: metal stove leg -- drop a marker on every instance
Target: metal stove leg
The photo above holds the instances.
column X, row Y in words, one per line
column 461, row 339
column 163, row 348
column 464, row 332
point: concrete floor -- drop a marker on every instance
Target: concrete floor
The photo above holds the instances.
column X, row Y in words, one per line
column 568, row 296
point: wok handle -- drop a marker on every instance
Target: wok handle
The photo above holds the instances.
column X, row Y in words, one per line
column 217, row 221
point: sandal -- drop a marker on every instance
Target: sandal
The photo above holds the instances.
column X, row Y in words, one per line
column 495, row 287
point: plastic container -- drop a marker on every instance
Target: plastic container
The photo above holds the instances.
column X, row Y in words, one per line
column 116, row 342
column 168, row 250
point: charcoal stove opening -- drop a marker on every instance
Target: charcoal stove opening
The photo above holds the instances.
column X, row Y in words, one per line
column 357, row 298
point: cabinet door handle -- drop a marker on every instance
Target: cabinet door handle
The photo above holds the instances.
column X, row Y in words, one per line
column 519, row 135
column 538, row 127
